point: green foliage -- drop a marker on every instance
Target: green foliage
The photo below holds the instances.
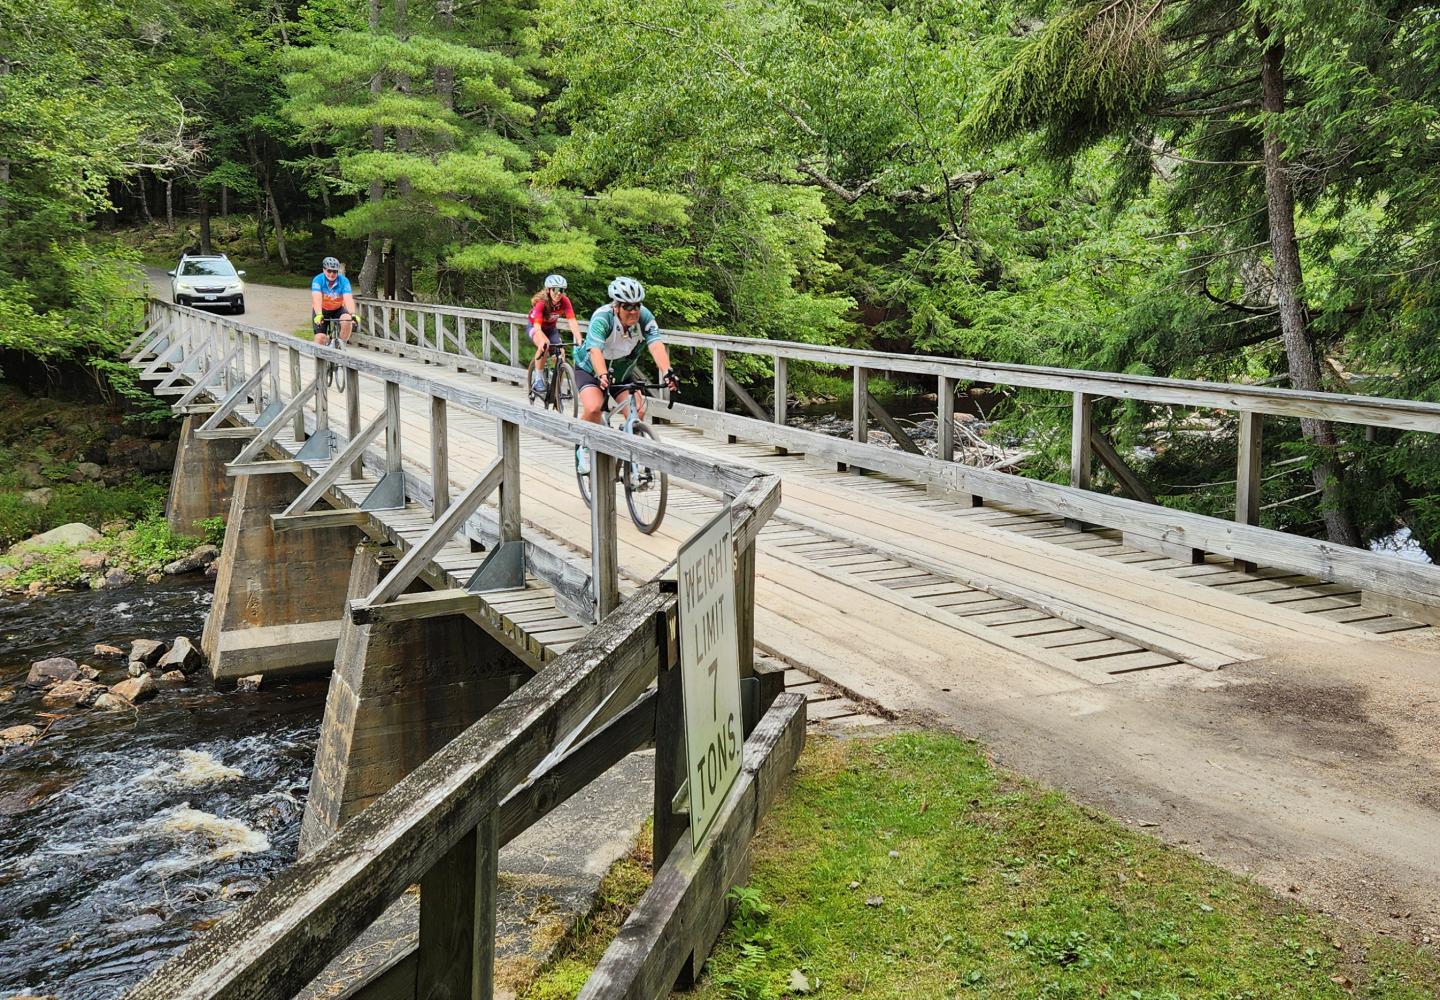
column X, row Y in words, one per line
column 212, row 530
column 87, row 503
column 139, row 550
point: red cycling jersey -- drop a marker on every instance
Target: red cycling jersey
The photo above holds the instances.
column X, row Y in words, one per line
column 547, row 316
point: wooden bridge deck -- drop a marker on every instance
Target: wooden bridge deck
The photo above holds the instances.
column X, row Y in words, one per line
column 1199, row 699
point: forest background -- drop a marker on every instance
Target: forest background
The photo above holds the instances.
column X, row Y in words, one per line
column 1199, row 188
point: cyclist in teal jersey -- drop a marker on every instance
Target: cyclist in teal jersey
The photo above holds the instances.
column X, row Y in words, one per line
column 611, row 350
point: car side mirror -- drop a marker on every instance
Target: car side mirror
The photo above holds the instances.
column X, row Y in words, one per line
column 241, row 273
column 171, row 273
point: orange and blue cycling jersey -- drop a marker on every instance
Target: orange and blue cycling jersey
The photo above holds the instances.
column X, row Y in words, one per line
column 332, row 294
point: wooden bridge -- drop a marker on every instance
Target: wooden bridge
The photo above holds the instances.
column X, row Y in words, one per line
column 432, row 545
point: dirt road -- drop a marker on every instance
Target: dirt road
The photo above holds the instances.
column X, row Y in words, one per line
column 268, row 306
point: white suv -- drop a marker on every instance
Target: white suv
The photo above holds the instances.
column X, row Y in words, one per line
column 209, row 280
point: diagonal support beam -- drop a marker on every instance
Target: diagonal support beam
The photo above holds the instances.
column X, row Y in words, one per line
column 746, row 399
column 170, row 354
column 413, row 563
column 1111, row 459
column 232, row 402
column 337, row 468
column 891, row 426
column 206, row 377
column 272, row 430
column 137, row 347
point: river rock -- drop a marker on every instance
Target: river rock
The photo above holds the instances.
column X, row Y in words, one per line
column 108, row 651
column 31, row 477
column 109, row 702
column 183, row 656
column 87, row 672
column 6, row 694
column 39, row 497
column 147, row 651
column 249, row 684
column 17, row 734
column 198, row 559
column 91, row 563
column 212, row 571
column 154, row 577
column 6, row 572
column 73, row 533
column 69, row 694
column 136, row 689
column 45, row 672
column 175, row 677
column 116, row 577
column 86, row 472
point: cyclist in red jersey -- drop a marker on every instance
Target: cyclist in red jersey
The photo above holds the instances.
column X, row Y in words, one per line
column 546, row 308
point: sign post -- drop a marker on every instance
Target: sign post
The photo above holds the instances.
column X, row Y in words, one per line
column 710, row 670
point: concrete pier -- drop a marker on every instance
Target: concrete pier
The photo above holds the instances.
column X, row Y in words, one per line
column 199, row 487
column 278, row 597
column 399, row 692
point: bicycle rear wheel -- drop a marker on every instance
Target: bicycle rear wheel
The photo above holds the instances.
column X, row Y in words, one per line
column 646, row 489
column 339, row 372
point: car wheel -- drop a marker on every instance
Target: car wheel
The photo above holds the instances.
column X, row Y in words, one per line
column 238, row 309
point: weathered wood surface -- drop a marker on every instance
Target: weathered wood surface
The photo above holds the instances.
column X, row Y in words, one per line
column 669, row 923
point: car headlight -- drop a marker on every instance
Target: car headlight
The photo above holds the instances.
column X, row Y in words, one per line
column 184, row 286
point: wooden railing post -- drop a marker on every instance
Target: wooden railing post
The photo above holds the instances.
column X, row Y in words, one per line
column 352, row 419
column 604, row 548
column 295, row 391
column 392, row 429
column 514, row 345
column 322, row 397
column 860, row 405
column 782, row 390
column 274, row 391
column 485, row 344
column 670, row 766
column 1247, row 473
column 455, row 952
column 510, row 522
column 717, row 374
column 439, row 458
column 945, row 415
column 1081, row 424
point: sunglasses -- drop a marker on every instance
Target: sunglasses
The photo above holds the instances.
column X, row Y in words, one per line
column 331, row 270
column 626, row 307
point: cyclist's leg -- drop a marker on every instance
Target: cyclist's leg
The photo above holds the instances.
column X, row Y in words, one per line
column 537, row 363
column 592, row 400
column 346, row 325
column 319, row 327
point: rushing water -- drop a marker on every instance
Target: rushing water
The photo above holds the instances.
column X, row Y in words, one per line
column 124, row 834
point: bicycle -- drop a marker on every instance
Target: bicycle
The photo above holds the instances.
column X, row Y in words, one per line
column 646, row 489
column 336, row 374
column 559, row 384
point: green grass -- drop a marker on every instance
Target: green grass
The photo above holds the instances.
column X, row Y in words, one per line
column 88, row 503
column 909, row 867
column 139, row 549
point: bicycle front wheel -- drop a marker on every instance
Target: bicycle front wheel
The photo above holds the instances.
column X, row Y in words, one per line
column 563, row 395
column 646, row 489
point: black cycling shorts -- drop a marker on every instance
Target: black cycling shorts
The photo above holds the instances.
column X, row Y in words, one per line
column 584, row 378
column 328, row 314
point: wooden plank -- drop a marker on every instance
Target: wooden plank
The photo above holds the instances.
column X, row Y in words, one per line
column 746, row 400
column 1415, row 611
column 344, row 518
column 455, row 951
column 439, row 458
column 410, row 607
column 604, row 559
column 892, row 426
column 860, row 404
column 945, row 396
column 1118, row 467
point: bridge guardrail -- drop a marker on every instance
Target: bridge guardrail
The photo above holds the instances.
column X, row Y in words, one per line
column 444, row 823
column 445, row 335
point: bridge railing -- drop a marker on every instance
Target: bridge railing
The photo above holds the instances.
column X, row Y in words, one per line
column 442, row 826
column 446, row 335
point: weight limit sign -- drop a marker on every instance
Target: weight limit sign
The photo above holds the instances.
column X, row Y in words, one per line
column 710, row 670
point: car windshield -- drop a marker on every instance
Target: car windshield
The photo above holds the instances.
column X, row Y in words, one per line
column 207, row 268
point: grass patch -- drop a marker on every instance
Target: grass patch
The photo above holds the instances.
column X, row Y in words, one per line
column 139, row 549
column 88, row 503
column 577, row 954
column 968, row 882
column 909, row 867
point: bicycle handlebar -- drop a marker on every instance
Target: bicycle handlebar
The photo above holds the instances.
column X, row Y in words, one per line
column 642, row 386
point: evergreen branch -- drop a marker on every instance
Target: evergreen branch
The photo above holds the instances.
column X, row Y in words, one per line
column 1220, row 109
column 968, row 180
column 1237, row 306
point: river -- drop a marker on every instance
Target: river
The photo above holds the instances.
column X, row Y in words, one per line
column 122, row 835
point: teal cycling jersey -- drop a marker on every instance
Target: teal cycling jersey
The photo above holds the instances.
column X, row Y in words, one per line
column 619, row 345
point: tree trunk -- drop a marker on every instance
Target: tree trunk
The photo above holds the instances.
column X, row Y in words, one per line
column 279, row 229
column 1300, row 353
column 169, row 203
column 445, row 75
column 404, row 275
column 205, row 223
column 324, row 191
column 145, row 200
column 224, row 202
column 260, row 227
column 370, row 270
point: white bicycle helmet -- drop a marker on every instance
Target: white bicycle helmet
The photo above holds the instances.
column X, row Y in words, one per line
column 329, row 264
column 556, row 281
column 626, row 290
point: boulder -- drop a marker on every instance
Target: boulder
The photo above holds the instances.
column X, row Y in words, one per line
column 198, row 559
column 36, row 588
column 108, row 651
column 6, row 694
column 175, row 677
column 117, row 577
column 109, row 702
column 45, row 672
column 136, row 689
column 17, row 734
column 147, row 651
column 154, row 577
column 91, row 562
column 212, row 571
column 39, row 497
column 88, row 673
column 249, row 683
column 204, row 555
column 31, row 477
column 74, row 533
column 136, row 667
column 86, row 472
column 6, row 572
column 69, row 694
column 183, row 656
